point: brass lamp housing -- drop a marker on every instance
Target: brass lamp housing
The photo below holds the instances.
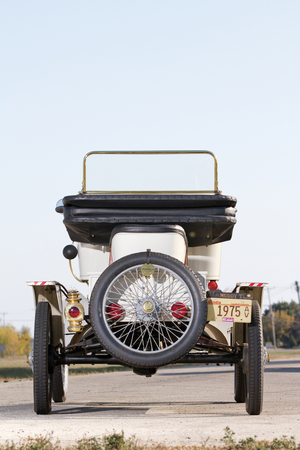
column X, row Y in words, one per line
column 73, row 299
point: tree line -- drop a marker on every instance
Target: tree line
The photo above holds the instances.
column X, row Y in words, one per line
column 15, row 342
column 287, row 324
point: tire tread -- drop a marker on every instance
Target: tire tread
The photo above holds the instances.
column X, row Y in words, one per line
column 58, row 391
column 240, row 388
column 42, row 402
column 254, row 400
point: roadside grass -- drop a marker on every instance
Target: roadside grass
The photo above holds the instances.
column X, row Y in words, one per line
column 282, row 353
column 117, row 441
column 87, row 369
column 14, row 368
column 17, row 368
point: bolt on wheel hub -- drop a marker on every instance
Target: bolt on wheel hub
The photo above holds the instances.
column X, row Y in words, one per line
column 148, row 306
column 147, row 310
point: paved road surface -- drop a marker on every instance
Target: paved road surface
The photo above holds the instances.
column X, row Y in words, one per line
column 178, row 405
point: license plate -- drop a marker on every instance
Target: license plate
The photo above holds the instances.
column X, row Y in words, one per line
column 229, row 310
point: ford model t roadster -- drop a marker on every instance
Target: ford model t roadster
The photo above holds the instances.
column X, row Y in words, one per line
column 150, row 257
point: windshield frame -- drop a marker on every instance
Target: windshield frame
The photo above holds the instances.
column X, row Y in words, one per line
column 150, row 152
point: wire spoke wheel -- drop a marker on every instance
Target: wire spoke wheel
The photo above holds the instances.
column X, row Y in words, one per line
column 146, row 303
column 42, row 378
column 254, row 377
column 148, row 313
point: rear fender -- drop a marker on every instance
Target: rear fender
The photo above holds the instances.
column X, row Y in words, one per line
column 257, row 290
column 49, row 291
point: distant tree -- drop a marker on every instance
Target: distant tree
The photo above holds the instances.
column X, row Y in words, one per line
column 283, row 327
column 15, row 343
column 267, row 328
column 9, row 337
column 287, row 324
column 24, row 344
column 296, row 329
column 293, row 342
column 291, row 308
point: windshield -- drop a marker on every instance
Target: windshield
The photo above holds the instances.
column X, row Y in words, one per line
column 150, row 172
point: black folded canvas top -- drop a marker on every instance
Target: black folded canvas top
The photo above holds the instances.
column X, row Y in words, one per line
column 206, row 219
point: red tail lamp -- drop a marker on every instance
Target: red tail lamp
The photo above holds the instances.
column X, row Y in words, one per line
column 114, row 311
column 179, row 310
column 74, row 312
column 212, row 285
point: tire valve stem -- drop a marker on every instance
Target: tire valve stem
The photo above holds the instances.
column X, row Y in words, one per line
column 74, row 312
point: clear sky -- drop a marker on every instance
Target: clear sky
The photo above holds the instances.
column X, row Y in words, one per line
column 77, row 76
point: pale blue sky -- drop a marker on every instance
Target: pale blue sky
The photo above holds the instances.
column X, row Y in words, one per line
column 77, row 76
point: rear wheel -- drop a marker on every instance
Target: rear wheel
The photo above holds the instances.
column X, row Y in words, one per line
column 60, row 383
column 239, row 384
column 42, row 378
column 255, row 375
column 148, row 310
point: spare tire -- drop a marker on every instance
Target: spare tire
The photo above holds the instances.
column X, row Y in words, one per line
column 148, row 309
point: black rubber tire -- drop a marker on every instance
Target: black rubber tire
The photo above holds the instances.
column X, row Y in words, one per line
column 42, row 379
column 255, row 375
column 59, row 389
column 148, row 359
column 239, row 384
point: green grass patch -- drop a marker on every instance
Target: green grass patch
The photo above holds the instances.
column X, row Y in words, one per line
column 17, row 368
column 117, row 441
column 15, row 373
column 85, row 369
column 281, row 353
column 14, row 368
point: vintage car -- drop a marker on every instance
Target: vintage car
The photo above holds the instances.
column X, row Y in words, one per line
column 149, row 256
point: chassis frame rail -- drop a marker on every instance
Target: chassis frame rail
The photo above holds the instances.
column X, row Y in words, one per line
column 233, row 358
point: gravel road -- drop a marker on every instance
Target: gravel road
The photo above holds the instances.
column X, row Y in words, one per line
column 179, row 405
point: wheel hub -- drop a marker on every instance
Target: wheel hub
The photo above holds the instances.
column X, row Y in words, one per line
column 148, row 306
column 147, row 310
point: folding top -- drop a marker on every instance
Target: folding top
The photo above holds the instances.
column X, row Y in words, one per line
column 206, row 219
